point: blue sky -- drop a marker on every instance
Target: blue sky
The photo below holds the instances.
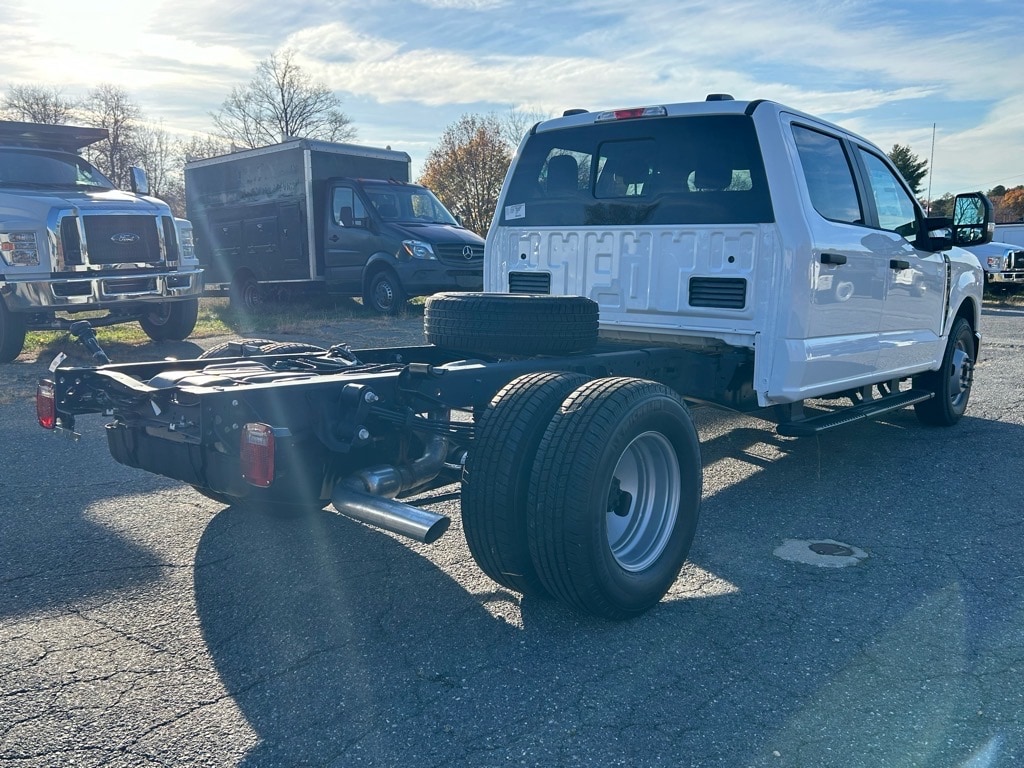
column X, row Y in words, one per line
column 405, row 69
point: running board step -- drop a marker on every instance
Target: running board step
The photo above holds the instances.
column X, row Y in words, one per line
column 852, row 414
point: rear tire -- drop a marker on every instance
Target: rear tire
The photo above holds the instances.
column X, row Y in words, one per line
column 245, row 293
column 495, row 482
column 12, row 334
column 511, row 323
column 614, row 497
column 171, row 321
column 951, row 384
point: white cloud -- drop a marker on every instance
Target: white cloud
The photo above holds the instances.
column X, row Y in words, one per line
column 881, row 68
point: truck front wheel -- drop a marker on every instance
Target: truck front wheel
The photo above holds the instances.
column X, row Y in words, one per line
column 12, row 333
column 495, row 482
column 614, row 497
column 951, row 384
column 171, row 321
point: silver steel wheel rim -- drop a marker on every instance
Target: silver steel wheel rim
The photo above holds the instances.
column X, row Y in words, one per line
column 384, row 295
column 251, row 295
column 643, row 501
column 960, row 376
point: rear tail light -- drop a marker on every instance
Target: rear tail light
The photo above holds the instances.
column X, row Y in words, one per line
column 46, row 406
column 257, row 454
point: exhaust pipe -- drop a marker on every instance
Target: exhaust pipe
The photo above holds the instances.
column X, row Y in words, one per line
column 389, row 514
column 369, row 495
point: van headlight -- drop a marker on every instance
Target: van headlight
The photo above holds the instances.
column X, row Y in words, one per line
column 418, row 249
column 19, row 249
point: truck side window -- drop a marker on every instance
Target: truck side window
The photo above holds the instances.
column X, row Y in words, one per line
column 896, row 210
column 828, row 175
column 348, row 208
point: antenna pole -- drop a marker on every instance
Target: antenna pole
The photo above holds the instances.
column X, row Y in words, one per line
column 931, row 172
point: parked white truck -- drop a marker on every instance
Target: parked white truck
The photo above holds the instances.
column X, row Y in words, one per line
column 1012, row 233
column 740, row 254
column 1003, row 263
column 71, row 243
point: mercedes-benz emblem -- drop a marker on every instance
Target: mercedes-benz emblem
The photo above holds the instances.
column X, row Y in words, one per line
column 467, row 252
column 125, row 237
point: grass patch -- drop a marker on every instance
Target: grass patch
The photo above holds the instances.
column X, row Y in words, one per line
column 1011, row 296
column 313, row 316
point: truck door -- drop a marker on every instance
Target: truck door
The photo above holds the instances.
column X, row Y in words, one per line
column 915, row 279
column 839, row 280
column 348, row 241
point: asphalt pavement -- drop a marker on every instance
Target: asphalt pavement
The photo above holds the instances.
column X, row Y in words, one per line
column 142, row 624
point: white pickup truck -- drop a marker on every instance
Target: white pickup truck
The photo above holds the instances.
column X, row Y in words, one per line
column 71, row 243
column 741, row 254
column 1003, row 263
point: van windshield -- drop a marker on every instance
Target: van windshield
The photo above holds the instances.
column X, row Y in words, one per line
column 678, row 170
column 42, row 168
column 408, row 203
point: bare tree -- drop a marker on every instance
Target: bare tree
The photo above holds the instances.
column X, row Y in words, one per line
column 281, row 102
column 467, row 167
column 517, row 121
column 37, row 104
column 109, row 106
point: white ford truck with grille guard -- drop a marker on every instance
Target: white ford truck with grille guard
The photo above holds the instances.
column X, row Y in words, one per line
column 70, row 243
column 739, row 254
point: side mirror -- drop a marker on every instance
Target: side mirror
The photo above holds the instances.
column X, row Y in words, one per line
column 139, row 181
column 973, row 220
column 936, row 234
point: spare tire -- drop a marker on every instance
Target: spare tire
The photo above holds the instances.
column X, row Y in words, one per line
column 511, row 323
column 258, row 347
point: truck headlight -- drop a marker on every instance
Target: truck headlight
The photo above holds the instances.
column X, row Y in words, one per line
column 997, row 263
column 418, row 249
column 186, row 242
column 19, row 249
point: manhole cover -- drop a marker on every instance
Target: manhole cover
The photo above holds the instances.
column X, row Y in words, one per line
column 833, row 550
column 824, row 553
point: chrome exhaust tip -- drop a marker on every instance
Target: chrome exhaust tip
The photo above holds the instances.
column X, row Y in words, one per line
column 389, row 514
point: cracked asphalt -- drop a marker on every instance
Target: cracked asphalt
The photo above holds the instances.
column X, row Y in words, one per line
column 142, row 624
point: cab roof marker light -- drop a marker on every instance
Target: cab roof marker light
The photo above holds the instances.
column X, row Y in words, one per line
column 631, row 114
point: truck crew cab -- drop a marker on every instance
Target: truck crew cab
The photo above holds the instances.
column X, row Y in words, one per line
column 739, row 254
column 70, row 243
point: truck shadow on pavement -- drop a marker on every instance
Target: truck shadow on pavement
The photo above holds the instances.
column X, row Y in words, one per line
column 342, row 644
column 56, row 549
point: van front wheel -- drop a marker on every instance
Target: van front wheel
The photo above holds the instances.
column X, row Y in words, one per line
column 384, row 293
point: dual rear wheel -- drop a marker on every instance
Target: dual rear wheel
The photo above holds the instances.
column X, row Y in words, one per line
column 587, row 490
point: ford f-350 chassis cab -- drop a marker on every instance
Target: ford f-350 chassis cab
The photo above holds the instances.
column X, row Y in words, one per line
column 740, row 254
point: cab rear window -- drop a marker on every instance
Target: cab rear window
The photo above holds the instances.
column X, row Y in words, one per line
column 681, row 170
